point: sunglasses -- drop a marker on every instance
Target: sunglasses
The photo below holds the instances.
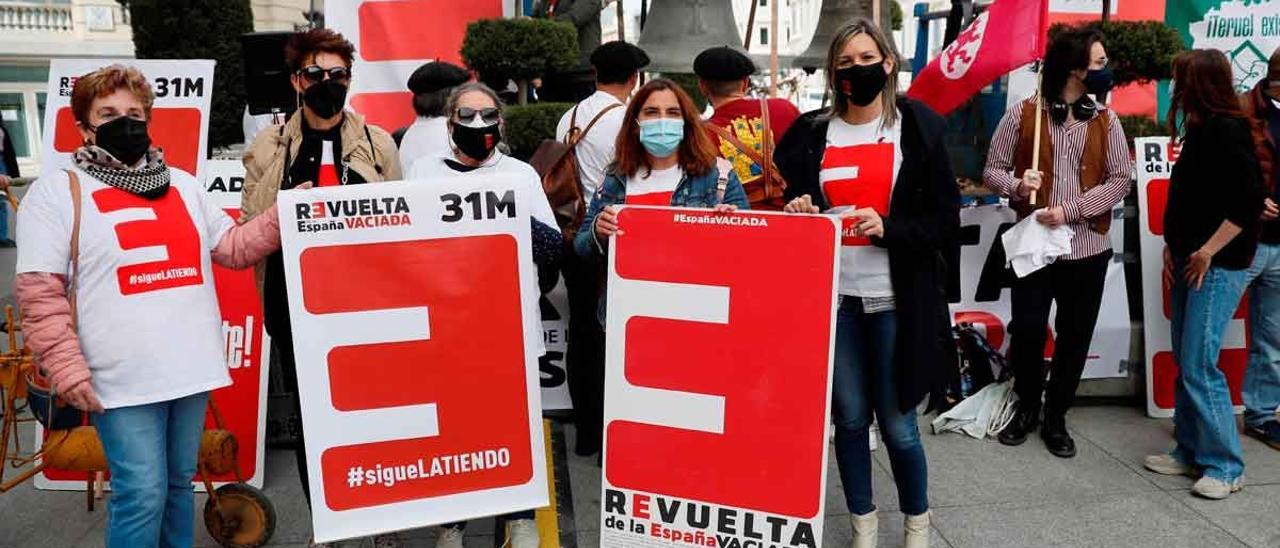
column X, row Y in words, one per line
column 315, row 74
column 489, row 115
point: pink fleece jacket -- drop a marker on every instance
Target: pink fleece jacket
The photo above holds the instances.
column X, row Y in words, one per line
column 46, row 310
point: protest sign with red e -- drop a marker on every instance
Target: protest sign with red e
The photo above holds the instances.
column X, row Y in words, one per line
column 1155, row 159
column 395, row 37
column 416, row 328
column 718, row 378
column 179, row 125
column 179, row 119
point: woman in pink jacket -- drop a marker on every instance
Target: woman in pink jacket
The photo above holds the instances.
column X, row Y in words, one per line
column 115, row 283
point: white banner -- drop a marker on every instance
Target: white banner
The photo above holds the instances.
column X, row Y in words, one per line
column 1155, row 158
column 555, row 335
column 179, row 119
column 417, row 352
column 394, row 38
column 718, row 379
column 985, row 299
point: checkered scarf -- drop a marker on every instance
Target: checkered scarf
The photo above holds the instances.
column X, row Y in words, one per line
column 149, row 180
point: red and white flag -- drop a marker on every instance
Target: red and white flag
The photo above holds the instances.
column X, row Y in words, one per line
column 1011, row 33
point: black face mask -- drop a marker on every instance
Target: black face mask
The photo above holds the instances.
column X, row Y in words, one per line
column 1098, row 82
column 125, row 138
column 326, row 98
column 476, row 142
column 861, row 84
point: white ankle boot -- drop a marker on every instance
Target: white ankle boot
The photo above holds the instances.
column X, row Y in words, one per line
column 917, row 531
column 866, row 529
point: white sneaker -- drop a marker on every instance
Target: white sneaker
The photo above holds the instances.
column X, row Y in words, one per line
column 1169, row 466
column 450, row 537
column 917, row 531
column 1215, row 489
column 523, row 533
column 866, row 529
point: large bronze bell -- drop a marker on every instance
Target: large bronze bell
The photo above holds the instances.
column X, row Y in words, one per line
column 676, row 31
column 834, row 14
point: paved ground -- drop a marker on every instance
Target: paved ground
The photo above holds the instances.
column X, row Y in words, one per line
column 983, row 495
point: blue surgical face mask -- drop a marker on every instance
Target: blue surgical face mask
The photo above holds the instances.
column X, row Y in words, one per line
column 661, row 136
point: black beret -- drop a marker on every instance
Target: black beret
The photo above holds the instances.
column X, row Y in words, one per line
column 619, row 56
column 437, row 75
column 723, row 64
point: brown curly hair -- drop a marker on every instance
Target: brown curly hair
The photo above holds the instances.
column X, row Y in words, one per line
column 305, row 45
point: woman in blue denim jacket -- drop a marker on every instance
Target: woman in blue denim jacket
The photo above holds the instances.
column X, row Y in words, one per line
column 663, row 159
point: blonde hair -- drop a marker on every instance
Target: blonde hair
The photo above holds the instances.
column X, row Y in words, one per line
column 889, row 95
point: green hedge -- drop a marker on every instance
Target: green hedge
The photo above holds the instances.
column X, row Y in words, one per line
column 519, row 49
column 165, row 29
column 1139, row 51
column 528, row 125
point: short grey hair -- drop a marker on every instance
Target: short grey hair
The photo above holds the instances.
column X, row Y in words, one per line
column 451, row 107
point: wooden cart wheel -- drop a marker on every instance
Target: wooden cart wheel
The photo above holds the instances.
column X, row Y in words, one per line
column 247, row 518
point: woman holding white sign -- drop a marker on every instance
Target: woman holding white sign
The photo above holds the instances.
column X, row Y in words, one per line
column 1216, row 195
column 476, row 129
column 115, row 283
column 663, row 158
column 878, row 161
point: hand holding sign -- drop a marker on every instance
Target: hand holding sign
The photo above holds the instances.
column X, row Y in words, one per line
column 803, row 204
column 607, row 223
column 869, row 223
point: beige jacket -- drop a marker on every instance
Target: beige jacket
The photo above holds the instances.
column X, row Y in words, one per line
column 264, row 161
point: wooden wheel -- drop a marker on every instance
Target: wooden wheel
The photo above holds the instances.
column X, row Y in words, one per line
column 238, row 515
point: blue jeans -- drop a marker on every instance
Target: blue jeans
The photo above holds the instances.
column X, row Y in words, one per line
column 1204, row 420
column 1261, row 392
column 151, row 451
column 865, row 378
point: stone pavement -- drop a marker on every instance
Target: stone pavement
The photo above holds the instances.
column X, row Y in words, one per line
column 983, row 495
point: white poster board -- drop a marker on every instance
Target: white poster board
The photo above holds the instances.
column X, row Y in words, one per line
column 417, row 347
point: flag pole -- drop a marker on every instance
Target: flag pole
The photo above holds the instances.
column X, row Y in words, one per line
column 1035, row 146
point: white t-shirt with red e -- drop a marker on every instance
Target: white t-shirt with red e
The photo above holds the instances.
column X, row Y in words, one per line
column 654, row 188
column 859, row 168
column 148, row 318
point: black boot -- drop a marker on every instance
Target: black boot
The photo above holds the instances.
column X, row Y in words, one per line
column 1025, row 421
column 1056, row 438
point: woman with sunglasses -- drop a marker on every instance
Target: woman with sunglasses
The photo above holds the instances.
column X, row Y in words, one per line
column 475, row 134
column 878, row 160
column 323, row 144
column 663, row 158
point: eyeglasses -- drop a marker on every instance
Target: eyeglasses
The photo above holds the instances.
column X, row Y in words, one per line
column 315, row 74
column 489, row 115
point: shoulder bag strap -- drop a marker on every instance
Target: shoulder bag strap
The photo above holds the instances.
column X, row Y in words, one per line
column 727, row 135
column 766, row 140
column 582, row 134
column 72, row 286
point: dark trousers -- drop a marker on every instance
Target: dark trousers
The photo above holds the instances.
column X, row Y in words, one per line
column 1077, row 287
column 282, row 343
column 585, row 360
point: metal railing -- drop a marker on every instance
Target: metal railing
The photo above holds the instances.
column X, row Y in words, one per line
column 35, row 18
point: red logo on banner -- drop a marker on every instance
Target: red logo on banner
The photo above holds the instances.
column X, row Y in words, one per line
column 437, row 28
column 650, row 199
column 769, row 362
column 472, row 367
column 172, row 229
column 172, row 129
column 869, row 185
